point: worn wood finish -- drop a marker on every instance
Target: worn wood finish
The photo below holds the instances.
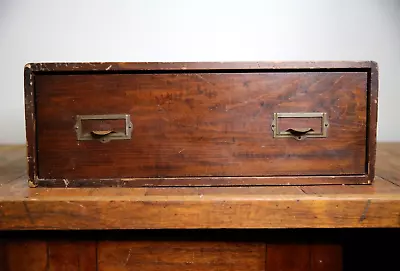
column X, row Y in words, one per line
column 288, row 257
column 168, row 66
column 200, row 124
column 166, row 250
column 201, row 211
column 195, row 125
column 377, row 205
column 30, row 124
column 326, row 257
column 51, row 251
column 203, row 181
column 171, row 256
column 35, row 255
column 3, row 258
column 372, row 119
column 389, row 163
column 23, row 255
column 182, row 250
column 72, row 255
column 307, row 257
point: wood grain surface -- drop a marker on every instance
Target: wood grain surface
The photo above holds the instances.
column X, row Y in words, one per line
column 193, row 212
column 290, row 257
column 376, row 205
column 43, row 255
column 201, row 124
column 171, row 256
column 183, row 66
column 163, row 255
column 3, row 257
column 22, row 255
column 209, row 123
column 389, row 163
column 326, row 257
column 299, row 257
column 72, row 255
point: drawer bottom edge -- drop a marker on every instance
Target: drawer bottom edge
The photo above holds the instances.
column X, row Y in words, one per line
column 205, row 181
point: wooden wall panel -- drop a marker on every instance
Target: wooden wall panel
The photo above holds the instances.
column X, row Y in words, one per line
column 172, row 256
column 326, row 257
column 71, row 256
column 16, row 255
column 299, row 257
column 122, row 255
column 2, row 255
column 26, row 256
column 287, row 257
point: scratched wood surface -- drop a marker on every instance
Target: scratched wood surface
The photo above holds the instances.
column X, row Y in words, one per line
column 304, row 257
column 278, row 257
column 172, row 255
column 195, row 250
column 39, row 255
column 201, row 123
column 326, row 257
column 163, row 253
column 172, row 66
column 376, row 205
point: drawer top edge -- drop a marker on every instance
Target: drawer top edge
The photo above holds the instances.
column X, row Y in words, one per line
column 241, row 65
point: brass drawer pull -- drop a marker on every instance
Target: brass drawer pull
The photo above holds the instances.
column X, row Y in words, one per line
column 299, row 133
column 319, row 120
column 103, row 127
column 101, row 133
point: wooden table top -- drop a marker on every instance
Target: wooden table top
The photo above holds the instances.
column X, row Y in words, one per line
column 328, row 206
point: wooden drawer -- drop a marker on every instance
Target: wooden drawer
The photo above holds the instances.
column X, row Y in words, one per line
column 181, row 255
column 184, row 124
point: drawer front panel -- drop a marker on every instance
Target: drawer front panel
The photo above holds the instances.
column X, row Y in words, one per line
column 201, row 124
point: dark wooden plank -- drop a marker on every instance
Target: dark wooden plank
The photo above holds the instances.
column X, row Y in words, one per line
column 125, row 66
column 372, row 119
column 3, row 256
column 197, row 125
column 171, row 256
column 326, row 257
column 30, row 123
column 23, row 255
column 204, row 181
column 288, row 257
column 72, row 255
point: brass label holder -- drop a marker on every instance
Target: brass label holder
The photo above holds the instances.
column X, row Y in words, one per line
column 300, row 133
column 103, row 136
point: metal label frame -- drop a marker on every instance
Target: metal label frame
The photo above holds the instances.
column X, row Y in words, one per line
column 113, row 136
column 285, row 134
